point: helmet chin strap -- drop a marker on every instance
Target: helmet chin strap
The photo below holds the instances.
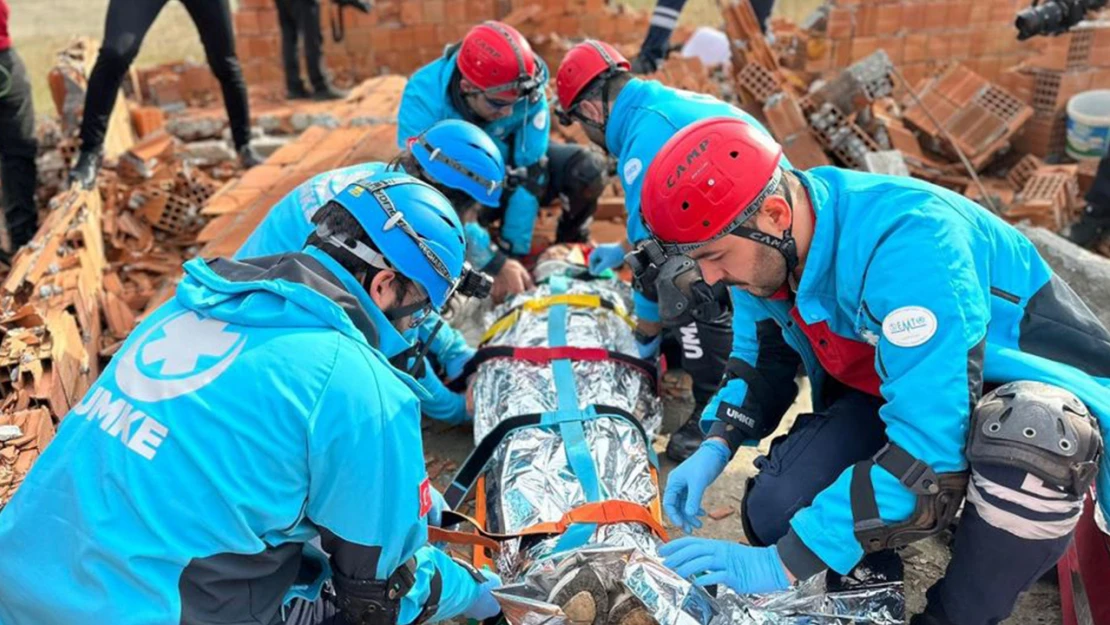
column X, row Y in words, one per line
column 785, row 245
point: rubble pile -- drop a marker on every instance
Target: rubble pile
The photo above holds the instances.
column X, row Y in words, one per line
column 399, row 36
column 981, row 117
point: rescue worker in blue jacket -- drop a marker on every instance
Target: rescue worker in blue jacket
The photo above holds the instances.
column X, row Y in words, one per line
column 902, row 300
column 255, row 412
column 631, row 119
column 461, row 162
column 494, row 80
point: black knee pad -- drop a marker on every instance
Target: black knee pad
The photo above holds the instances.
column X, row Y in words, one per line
column 1038, row 428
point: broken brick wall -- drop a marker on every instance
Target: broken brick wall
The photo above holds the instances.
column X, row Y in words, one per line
column 399, row 36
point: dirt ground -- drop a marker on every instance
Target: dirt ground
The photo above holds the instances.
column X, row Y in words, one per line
column 925, row 561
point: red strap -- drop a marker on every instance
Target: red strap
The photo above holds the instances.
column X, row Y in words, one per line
column 547, row 354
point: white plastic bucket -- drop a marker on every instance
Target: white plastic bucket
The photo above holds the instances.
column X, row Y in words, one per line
column 1089, row 124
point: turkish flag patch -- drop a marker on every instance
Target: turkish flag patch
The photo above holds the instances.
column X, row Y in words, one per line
column 425, row 497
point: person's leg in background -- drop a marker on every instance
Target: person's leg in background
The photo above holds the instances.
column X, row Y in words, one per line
column 308, row 18
column 287, row 20
column 578, row 174
column 125, row 26
column 1094, row 224
column 704, row 350
column 18, row 149
column 664, row 19
column 763, row 10
column 213, row 21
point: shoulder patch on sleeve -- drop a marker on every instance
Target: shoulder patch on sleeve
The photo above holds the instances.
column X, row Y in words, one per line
column 425, row 495
column 632, row 169
column 910, row 326
column 540, row 120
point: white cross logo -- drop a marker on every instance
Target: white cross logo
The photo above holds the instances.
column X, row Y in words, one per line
column 188, row 337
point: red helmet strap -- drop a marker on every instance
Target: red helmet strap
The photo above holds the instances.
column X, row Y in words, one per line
column 785, row 245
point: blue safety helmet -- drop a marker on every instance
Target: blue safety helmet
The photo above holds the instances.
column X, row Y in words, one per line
column 459, row 155
column 413, row 225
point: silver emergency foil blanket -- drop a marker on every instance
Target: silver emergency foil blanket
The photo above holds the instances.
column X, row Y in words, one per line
column 530, row 480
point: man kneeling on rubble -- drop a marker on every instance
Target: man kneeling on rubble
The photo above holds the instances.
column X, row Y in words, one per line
column 255, row 412
column 461, row 162
column 631, row 119
column 494, row 80
column 902, row 300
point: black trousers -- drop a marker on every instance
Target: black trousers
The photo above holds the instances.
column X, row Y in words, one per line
column 300, row 20
column 17, row 149
column 664, row 19
column 701, row 349
column 124, row 29
column 1099, row 193
column 1014, row 528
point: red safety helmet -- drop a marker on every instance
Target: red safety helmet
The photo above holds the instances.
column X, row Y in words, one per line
column 498, row 60
column 707, row 180
column 583, row 64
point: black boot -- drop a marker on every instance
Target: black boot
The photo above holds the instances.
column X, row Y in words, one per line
column 249, row 157
column 87, row 167
column 329, row 92
column 686, row 440
column 1093, row 224
column 297, row 92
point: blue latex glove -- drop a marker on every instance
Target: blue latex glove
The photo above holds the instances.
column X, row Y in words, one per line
column 740, row 567
column 439, row 504
column 484, row 605
column 687, row 483
column 650, row 350
column 606, row 256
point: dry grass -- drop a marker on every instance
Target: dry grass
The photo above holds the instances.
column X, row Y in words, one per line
column 41, row 27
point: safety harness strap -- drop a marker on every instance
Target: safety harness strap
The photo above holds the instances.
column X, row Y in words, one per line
column 476, row 462
column 938, row 498
column 576, row 300
column 545, row 355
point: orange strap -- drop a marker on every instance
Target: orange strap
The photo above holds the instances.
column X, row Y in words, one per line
column 440, row 535
column 601, row 513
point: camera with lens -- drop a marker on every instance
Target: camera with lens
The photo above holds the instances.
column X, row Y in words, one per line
column 1053, row 17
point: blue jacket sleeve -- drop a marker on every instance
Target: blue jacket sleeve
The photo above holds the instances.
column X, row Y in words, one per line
column 449, row 347
column 444, row 405
column 923, row 296
column 366, row 468
column 519, row 221
column 760, row 360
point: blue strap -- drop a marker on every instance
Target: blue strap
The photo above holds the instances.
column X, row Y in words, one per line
column 574, row 435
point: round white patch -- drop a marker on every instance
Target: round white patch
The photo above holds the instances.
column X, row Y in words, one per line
column 540, row 120
column 632, row 169
column 910, row 326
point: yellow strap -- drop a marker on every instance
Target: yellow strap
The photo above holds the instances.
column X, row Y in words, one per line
column 577, row 300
